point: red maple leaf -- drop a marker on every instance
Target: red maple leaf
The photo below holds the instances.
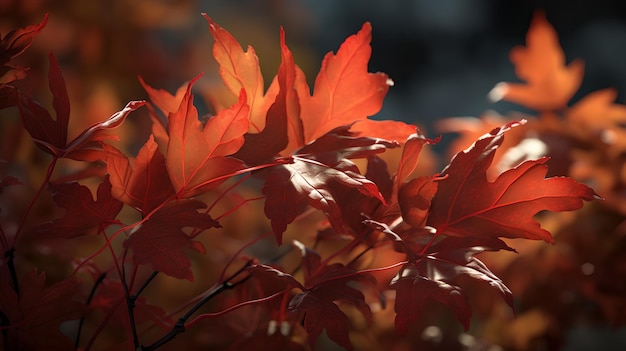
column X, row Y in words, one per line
column 196, row 157
column 161, row 242
column 414, row 198
column 468, row 204
column 345, row 93
column 32, row 318
column 597, row 114
column 550, row 84
column 50, row 135
column 356, row 206
column 324, row 284
column 283, row 128
column 143, row 185
column 432, row 272
column 435, row 276
column 309, row 179
column 83, row 214
column 12, row 45
column 162, row 103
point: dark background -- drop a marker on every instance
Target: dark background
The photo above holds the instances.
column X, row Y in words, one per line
column 444, row 56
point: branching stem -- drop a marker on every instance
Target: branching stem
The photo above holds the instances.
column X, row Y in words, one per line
column 179, row 327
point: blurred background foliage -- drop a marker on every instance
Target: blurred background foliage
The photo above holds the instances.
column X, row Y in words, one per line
column 444, row 57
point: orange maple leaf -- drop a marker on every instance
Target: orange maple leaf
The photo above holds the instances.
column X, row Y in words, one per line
column 197, row 156
column 550, row 84
column 240, row 70
column 598, row 114
column 345, row 93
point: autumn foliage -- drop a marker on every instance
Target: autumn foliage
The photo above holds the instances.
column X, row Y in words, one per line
column 354, row 231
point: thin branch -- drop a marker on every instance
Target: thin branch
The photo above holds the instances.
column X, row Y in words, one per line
column 179, row 327
column 357, row 257
column 145, row 284
column 10, row 254
column 92, row 293
column 130, row 305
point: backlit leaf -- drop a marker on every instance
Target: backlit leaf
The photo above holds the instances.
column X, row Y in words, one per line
column 468, row 204
column 550, row 84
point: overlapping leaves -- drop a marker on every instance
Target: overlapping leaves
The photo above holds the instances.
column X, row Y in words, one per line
column 324, row 284
column 304, row 142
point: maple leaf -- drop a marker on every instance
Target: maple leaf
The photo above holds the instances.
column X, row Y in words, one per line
column 432, row 272
column 410, row 155
column 550, row 84
column 51, row 135
column 469, row 129
column 162, row 103
column 598, row 114
column 355, row 206
column 274, row 277
column 160, row 240
column 31, row 320
column 468, row 204
column 414, row 198
column 435, row 275
column 144, row 185
column 240, row 70
column 83, row 214
column 283, row 128
column 323, row 285
column 345, row 93
column 14, row 44
column 309, row 179
column 196, row 157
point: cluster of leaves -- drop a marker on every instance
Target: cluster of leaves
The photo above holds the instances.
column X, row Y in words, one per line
column 585, row 141
column 311, row 150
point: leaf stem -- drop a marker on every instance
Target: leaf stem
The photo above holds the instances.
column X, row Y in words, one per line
column 232, row 308
column 351, row 245
column 430, row 243
column 103, row 324
column 92, row 293
column 236, row 254
column 35, row 197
